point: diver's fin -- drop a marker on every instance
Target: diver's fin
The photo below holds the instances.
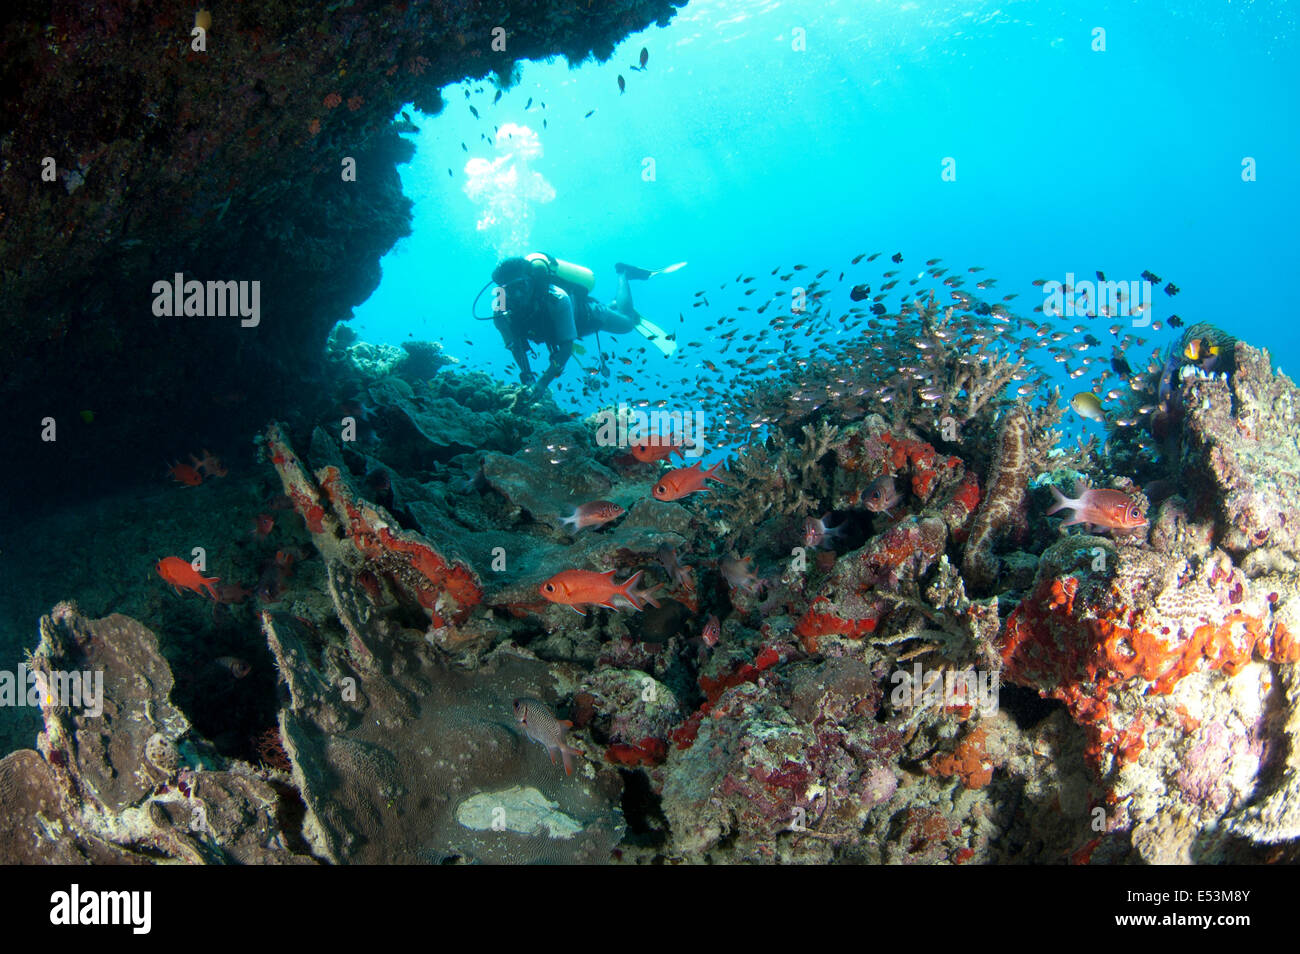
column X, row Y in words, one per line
column 668, row 269
column 632, row 272
column 657, row 337
column 635, row 273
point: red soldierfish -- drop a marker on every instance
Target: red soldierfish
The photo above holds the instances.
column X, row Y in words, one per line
column 1112, row 509
column 179, row 573
column 712, row 631
column 882, row 496
column 676, row 484
column 656, row 447
column 815, row 532
column 593, row 514
column 546, row 730
column 574, row 588
column 185, row 473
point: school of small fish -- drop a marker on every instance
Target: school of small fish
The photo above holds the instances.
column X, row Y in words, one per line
column 788, row 323
column 793, row 328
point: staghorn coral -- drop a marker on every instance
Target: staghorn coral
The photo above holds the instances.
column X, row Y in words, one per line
column 817, row 443
column 763, row 484
column 972, row 380
column 1045, row 452
column 923, row 370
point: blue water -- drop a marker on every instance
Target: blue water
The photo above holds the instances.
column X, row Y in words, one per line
column 1067, row 160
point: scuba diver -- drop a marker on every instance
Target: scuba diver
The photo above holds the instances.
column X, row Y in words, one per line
column 543, row 299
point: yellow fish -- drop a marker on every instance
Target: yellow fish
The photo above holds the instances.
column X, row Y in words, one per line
column 1086, row 404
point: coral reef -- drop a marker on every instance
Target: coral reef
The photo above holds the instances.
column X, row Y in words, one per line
column 137, row 784
column 778, row 785
column 1161, row 663
column 937, row 675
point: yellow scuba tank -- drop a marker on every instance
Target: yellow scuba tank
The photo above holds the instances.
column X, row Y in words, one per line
column 566, row 271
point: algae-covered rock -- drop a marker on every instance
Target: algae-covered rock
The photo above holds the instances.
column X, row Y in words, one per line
column 1169, row 668
column 632, row 705
column 448, row 426
column 109, row 753
column 1243, row 445
column 387, row 755
column 120, row 777
column 35, row 826
column 546, row 490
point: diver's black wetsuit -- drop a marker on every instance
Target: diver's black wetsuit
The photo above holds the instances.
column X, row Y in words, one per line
column 551, row 318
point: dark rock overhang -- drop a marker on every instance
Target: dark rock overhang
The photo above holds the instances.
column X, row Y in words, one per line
column 219, row 165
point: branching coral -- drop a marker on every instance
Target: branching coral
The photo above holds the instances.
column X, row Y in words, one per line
column 818, row 442
column 968, row 375
column 765, row 484
column 932, row 372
